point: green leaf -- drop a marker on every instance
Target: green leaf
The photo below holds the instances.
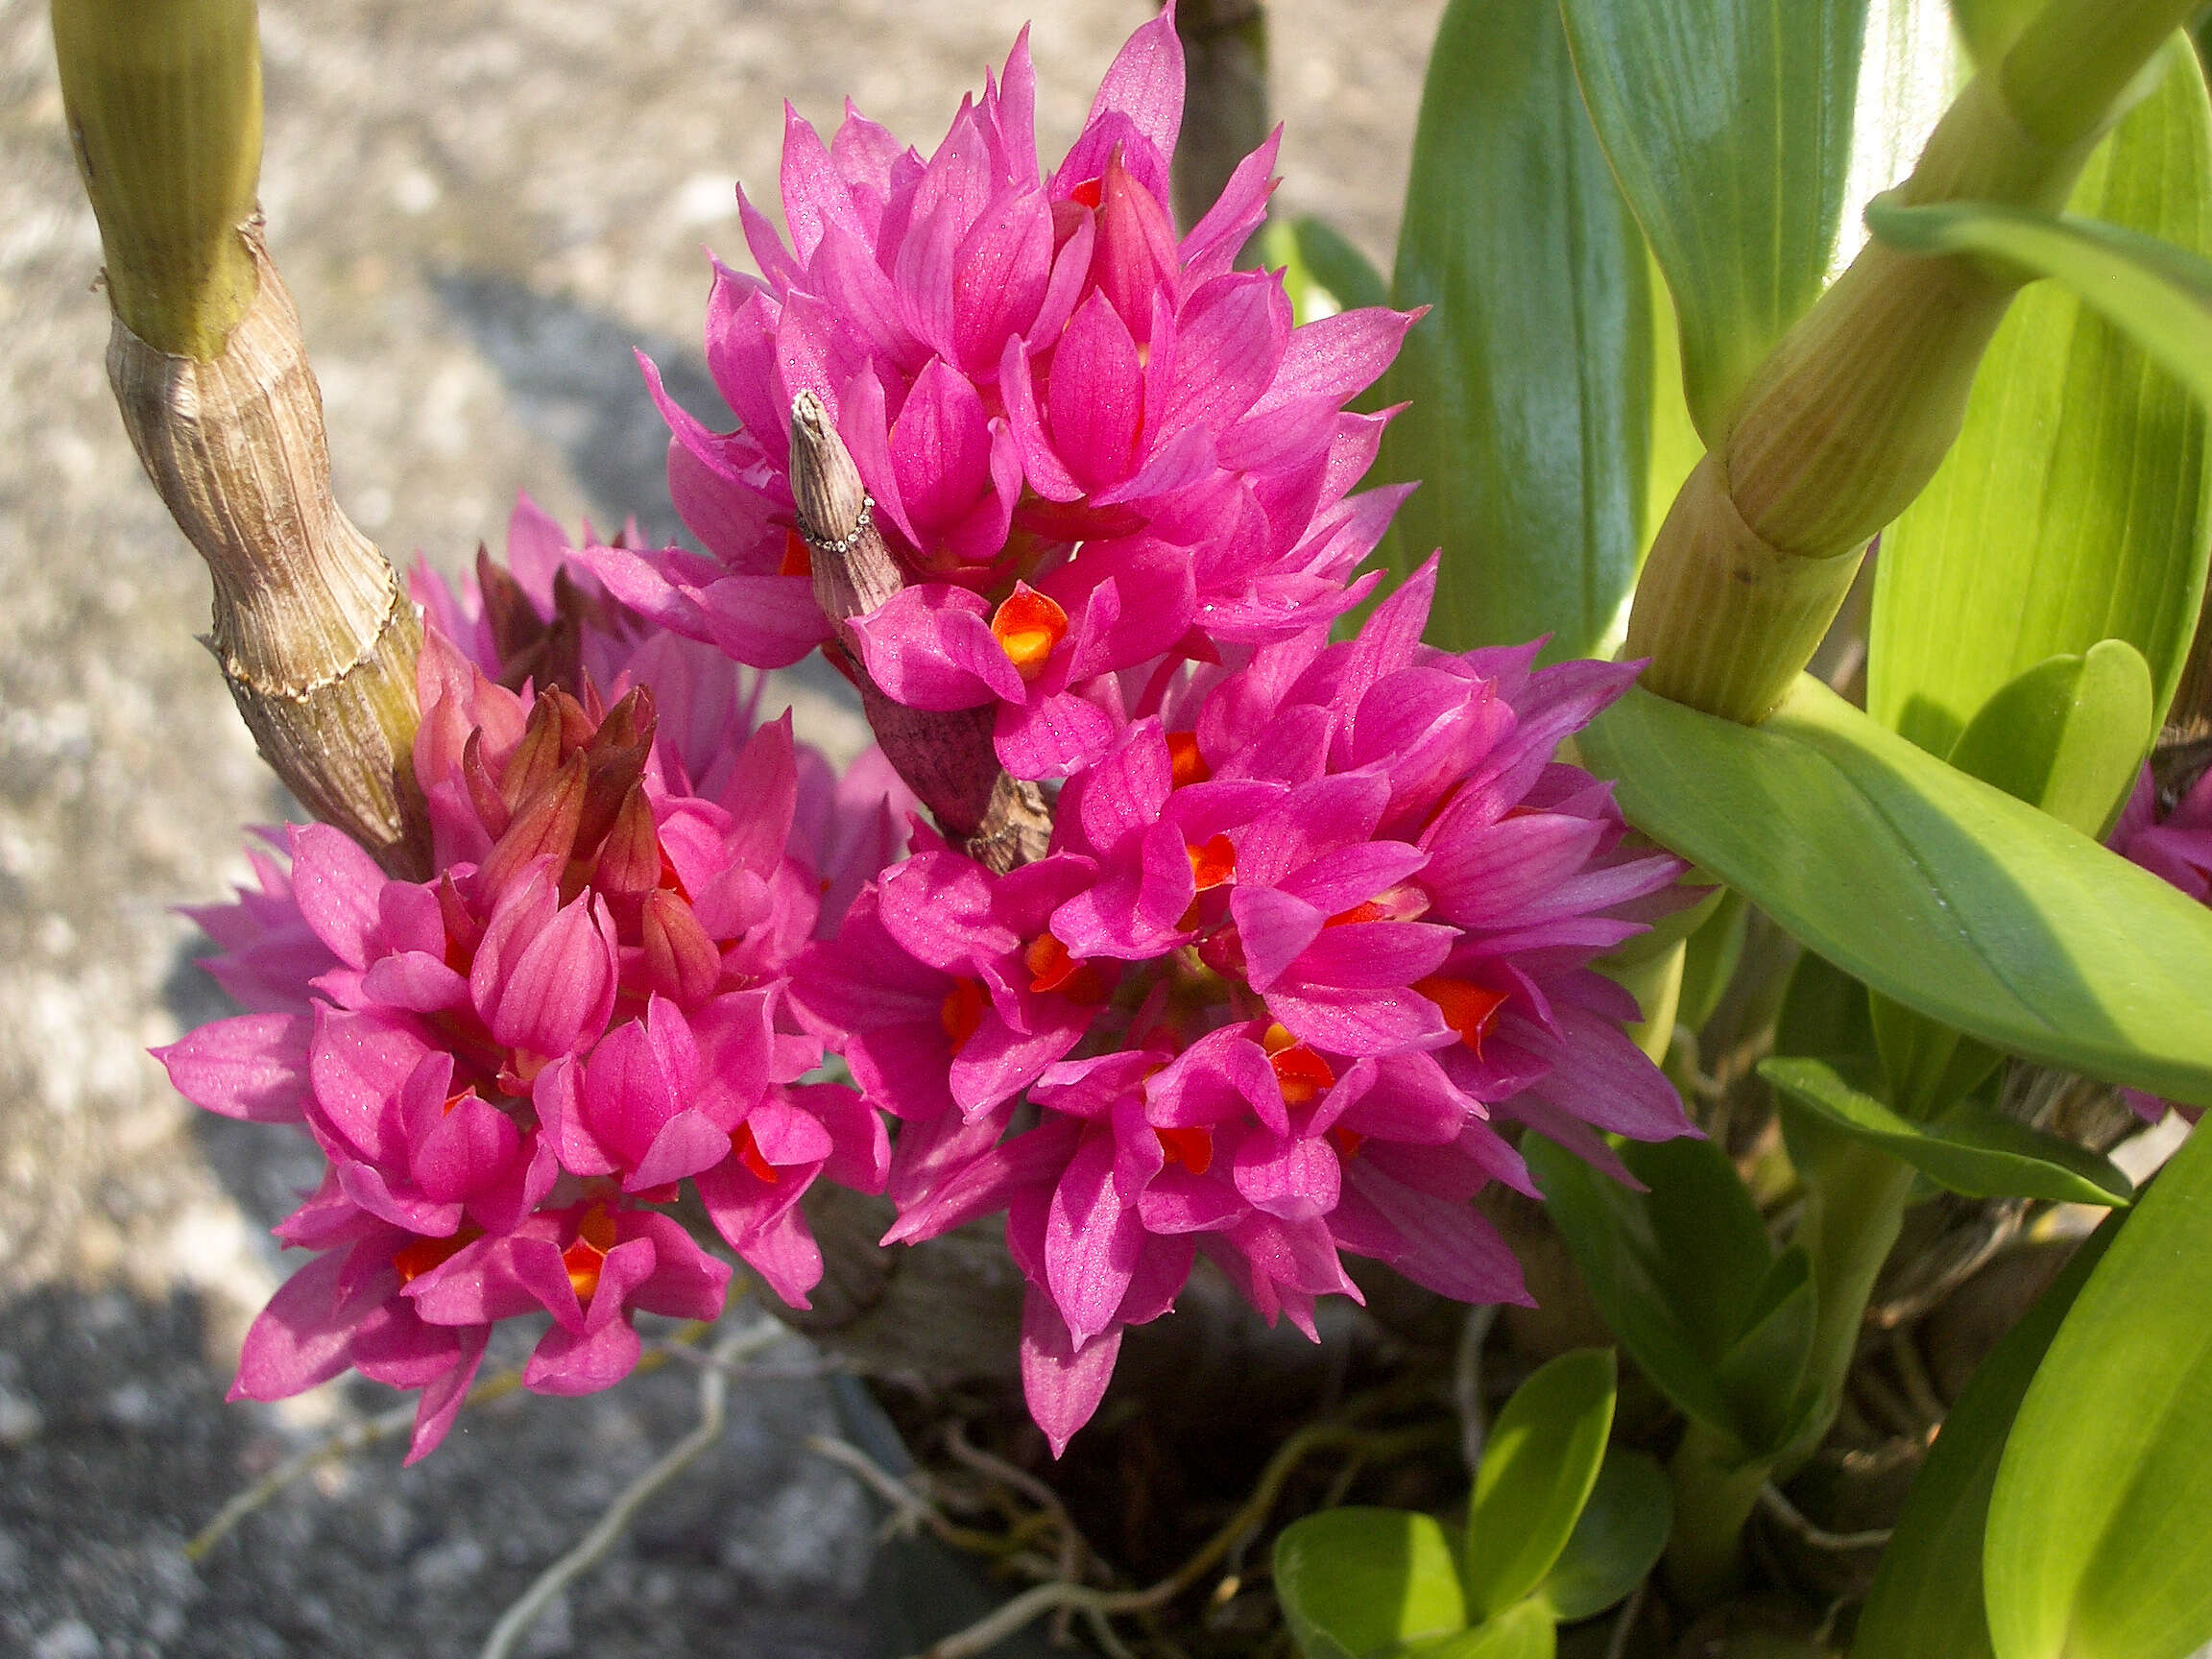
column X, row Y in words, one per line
column 2157, row 295
column 1739, row 131
column 2067, row 736
column 2075, row 505
column 1321, row 257
column 1617, row 1539
column 1681, row 1272
column 1710, row 960
column 1353, row 1582
column 1675, row 447
column 1991, row 26
column 1538, row 1466
column 2099, row 1536
column 1971, row 1148
column 1522, row 1631
column 1932, row 887
column 1529, row 378
column 1762, row 1376
column 1927, row 1592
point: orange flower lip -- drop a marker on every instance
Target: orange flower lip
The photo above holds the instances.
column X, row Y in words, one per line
column 1303, row 1075
column 961, row 1011
column 1052, row 968
column 1028, row 626
column 1468, row 1009
column 748, row 1153
column 1213, row 864
column 1185, row 765
column 1192, row 1147
column 594, row 1238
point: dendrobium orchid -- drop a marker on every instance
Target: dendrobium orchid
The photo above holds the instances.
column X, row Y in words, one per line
column 1307, row 933
column 509, row 1065
column 1303, row 940
column 1089, row 441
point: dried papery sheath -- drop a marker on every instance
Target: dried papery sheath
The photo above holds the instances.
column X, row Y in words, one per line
column 317, row 640
column 946, row 758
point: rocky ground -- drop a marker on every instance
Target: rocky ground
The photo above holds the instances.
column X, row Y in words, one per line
column 480, row 207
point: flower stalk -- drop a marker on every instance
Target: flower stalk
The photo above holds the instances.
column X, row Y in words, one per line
column 1850, row 416
column 316, row 638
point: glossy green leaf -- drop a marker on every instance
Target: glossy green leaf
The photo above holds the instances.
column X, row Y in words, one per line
column 2099, row 1536
column 1323, row 271
column 1927, row 1592
column 1736, row 129
column 1355, row 1582
column 1675, row 447
column 1538, row 1466
column 1616, row 1539
column 1761, row 1374
column 1681, row 1272
column 1972, row 1149
column 1522, row 1631
column 2067, row 736
column 2157, row 295
column 1934, row 888
column 2075, row 506
column 1529, row 377
column 1991, row 26
column 1710, row 960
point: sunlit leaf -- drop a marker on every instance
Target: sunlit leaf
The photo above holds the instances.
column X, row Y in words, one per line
column 1971, row 1148
column 1927, row 1593
column 1675, row 447
column 1322, row 269
column 1618, row 1539
column 1681, row 1273
column 1739, row 133
column 2075, row 506
column 1352, row 1582
column 1522, row 1631
column 2067, row 736
column 2157, row 295
column 1529, row 378
column 1926, row 884
column 2099, row 1536
column 1538, row 1465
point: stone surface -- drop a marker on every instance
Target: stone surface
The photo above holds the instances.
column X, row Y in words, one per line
column 480, row 206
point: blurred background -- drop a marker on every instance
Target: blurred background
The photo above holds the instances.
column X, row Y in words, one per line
column 481, row 207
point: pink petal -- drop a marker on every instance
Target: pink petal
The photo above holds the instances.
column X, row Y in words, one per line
column 252, row 1067
column 1062, row 1382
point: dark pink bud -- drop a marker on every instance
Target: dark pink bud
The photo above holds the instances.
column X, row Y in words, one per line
column 681, row 962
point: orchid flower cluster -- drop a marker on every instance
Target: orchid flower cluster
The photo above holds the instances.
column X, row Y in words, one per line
column 1316, row 922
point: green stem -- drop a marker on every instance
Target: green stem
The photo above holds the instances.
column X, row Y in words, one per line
column 1854, row 1208
column 1715, row 1492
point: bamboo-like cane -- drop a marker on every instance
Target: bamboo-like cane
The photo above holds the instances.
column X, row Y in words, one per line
column 1850, row 416
column 316, row 637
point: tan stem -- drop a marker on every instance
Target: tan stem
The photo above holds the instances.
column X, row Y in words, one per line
column 947, row 758
column 316, row 637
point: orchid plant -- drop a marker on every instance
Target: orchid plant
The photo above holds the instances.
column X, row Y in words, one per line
column 1261, row 863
